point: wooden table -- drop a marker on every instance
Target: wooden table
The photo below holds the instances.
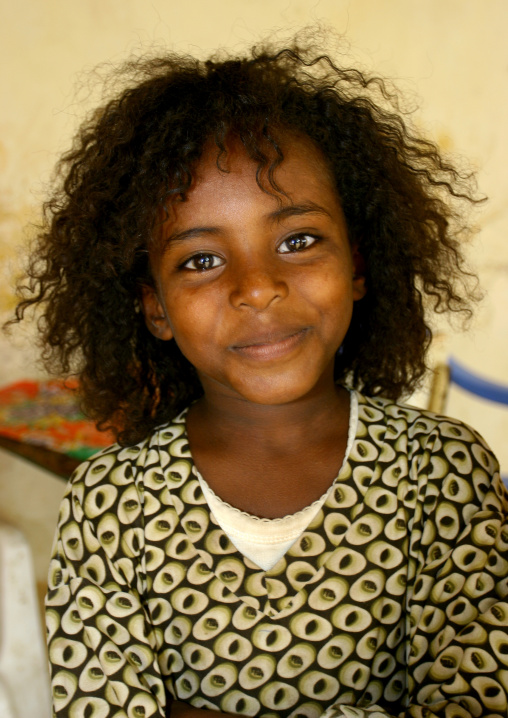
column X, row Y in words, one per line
column 61, row 465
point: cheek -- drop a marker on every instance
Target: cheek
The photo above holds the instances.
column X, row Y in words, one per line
column 334, row 302
column 330, row 291
column 193, row 320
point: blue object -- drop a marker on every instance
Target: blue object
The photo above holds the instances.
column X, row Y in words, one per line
column 477, row 385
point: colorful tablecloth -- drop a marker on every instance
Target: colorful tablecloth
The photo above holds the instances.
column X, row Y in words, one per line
column 46, row 413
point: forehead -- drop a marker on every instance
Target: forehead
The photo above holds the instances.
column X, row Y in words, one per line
column 303, row 169
column 230, row 187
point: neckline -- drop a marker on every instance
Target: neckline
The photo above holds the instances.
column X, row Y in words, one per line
column 297, row 569
column 254, row 523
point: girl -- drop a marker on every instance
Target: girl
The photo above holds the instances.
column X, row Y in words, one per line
column 238, row 264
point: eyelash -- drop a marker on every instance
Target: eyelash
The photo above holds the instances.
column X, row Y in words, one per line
column 200, row 255
column 209, row 255
column 299, row 237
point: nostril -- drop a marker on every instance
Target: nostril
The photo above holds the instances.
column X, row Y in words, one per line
column 257, row 290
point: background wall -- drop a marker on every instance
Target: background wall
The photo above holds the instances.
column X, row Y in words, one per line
column 451, row 54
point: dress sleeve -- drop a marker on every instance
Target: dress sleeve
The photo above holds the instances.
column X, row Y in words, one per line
column 457, row 605
column 101, row 642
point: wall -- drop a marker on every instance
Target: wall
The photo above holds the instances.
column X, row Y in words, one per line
column 452, row 54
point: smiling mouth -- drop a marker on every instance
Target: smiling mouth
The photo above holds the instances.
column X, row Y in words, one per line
column 270, row 346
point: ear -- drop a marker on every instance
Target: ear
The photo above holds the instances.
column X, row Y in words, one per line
column 154, row 314
column 359, row 288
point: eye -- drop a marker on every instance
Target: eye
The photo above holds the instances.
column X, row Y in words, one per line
column 297, row 243
column 202, row 262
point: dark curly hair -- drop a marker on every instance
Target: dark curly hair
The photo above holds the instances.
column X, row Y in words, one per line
column 137, row 154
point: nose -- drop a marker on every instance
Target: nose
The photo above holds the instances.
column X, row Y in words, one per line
column 257, row 284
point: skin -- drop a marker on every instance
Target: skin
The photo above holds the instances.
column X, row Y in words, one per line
column 257, row 289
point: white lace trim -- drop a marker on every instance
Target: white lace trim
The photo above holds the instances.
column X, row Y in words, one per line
column 242, row 526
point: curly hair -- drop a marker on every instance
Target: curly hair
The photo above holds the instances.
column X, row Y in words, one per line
column 138, row 153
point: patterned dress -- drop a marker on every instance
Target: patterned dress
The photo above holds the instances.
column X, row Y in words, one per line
column 393, row 602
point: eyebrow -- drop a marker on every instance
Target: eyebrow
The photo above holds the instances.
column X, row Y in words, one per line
column 188, row 234
column 278, row 215
column 295, row 210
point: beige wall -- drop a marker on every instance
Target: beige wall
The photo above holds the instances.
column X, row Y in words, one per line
column 453, row 54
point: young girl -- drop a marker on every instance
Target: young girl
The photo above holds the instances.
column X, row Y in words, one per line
column 238, row 265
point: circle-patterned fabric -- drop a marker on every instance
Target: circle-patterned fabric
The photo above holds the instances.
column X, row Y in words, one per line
column 392, row 602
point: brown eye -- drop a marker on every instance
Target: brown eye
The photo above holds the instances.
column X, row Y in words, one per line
column 202, row 262
column 297, row 243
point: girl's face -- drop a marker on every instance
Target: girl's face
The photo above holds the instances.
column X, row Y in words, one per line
column 257, row 290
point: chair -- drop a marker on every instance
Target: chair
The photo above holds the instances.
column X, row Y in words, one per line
column 455, row 373
column 24, row 680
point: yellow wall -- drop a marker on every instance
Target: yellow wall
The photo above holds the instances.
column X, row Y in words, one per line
column 453, row 54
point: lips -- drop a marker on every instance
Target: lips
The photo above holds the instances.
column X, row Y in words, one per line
column 271, row 344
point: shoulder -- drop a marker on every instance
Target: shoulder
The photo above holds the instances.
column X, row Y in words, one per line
column 155, row 463
column 416, row 423
column 436, row 446
column 123, row 495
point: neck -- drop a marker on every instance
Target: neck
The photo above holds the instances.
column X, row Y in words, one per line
column 222, row 418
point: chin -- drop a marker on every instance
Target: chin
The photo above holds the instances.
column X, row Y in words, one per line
column 274, row 395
